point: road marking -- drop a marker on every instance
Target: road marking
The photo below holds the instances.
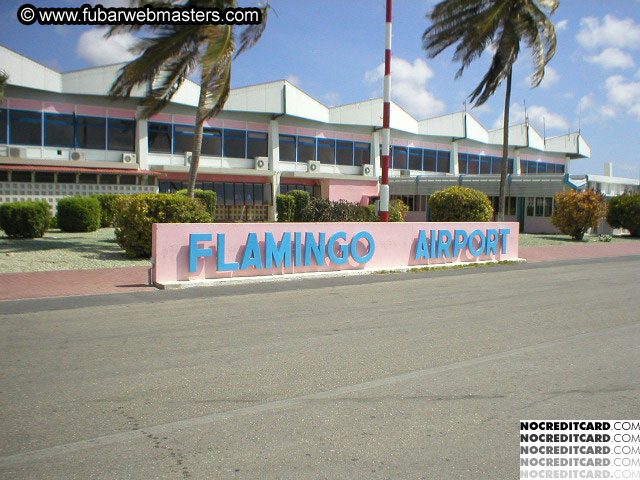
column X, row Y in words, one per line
column 50, row 452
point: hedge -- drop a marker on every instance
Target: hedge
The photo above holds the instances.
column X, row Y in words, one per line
column 207, row 197
column 79, row 214
column 460, row 204
column 302, row 201
column 108, row 205
column 285, row 206
column 138, row 213
column 301, row 207
column 624, row 212
column 25, row 219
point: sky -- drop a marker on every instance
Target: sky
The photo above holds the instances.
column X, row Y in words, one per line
column 334, row 50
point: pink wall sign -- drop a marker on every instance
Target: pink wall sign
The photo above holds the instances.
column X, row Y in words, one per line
column 195, row 251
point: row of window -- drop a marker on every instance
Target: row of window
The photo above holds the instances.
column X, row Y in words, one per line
column 325, row 150
column 470, row 164
column 72, row 177
column 167, row 138
column 22, row 127
column 403, row 158
column 227, row 193
column 510, row 205
column 539, row 206
column 532, row 167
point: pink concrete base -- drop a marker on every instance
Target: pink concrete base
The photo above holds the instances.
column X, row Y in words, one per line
column 395, row 246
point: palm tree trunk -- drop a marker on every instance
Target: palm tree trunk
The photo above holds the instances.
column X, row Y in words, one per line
column 197, row 140
column 505, row 149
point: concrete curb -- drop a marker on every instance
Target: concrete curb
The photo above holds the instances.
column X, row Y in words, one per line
column 210, row 282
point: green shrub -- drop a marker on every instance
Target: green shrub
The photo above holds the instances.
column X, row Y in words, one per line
column 207, row 197
column 575, row 212
column 139, row 212
column 79, row 214
column 25, row 219
column 108, row 205
column 624, row 212
column 53, row 223
column 286, row 207
column 322, row 210
column 460, row 204
column 398, row 210
column 302, row 200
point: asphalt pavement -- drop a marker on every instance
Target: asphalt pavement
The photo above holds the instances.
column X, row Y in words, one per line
column 420, row 375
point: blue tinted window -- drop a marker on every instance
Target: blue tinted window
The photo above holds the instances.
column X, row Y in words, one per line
column 361, row 153
column 159, row 136
column 399, row 158
column 3, row 125
column 287, row 145
column 121, row 134
column 25, row 128
column 235, row 143
column 344, row 152
column 91, row 132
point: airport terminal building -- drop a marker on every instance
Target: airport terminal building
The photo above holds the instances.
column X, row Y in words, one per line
column 61, row 135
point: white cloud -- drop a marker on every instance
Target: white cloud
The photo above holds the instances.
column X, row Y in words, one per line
column 586, row 103
column 92, row 46
column 295, row 80
column 539, row 117
column 589, row 111
column 625, row 94
column 551, row 76
column 562, row 25
column 609, row 32
column 612, row 58
column 332, row 99
column 409, row 86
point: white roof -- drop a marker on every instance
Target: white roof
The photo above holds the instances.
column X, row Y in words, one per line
column 283, row 98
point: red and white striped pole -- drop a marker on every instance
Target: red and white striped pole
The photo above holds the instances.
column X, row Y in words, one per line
column 386, row 114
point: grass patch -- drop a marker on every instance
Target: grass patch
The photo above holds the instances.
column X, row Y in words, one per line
column 547, row 239
column 450, row 266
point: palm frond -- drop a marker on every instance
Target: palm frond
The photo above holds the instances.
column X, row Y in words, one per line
column 252, row 33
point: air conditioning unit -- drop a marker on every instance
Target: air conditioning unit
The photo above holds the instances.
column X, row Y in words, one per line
column 405, row 173
column 313, row 166
column 79, row 156
column 262, row 163
column 187, row 158
column 128, row 158
column 15, row 152
column 367, row 169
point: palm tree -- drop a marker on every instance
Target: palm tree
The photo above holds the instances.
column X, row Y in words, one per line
column 177, row 51
column 476, row 25
column 4, row 78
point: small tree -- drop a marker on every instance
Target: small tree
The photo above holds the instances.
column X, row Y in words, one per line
column 624, row 212
column 576, row 212
column 460, row 204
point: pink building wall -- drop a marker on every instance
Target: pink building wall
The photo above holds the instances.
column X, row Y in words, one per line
column 357, row 192
column 395, row 246
column 539, row 225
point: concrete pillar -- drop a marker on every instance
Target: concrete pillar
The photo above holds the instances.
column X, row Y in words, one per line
column 142, row 144
column 273, row 147
column 568, row 167
column 275, row 189
column 454, row 166
column 375, row 154
column 517, row 168
column 608, row 169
